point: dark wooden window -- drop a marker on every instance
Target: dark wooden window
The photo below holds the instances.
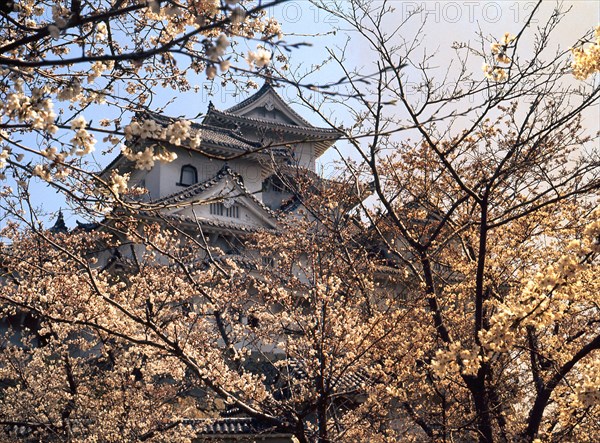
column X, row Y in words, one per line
column 189, row 175
column 274, row 184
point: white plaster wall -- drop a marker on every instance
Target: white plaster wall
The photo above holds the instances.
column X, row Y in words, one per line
column 147, row 179
column 162, row 179
column 168, row 174
column 247, row 217
column 250, row 170
column 305, row 155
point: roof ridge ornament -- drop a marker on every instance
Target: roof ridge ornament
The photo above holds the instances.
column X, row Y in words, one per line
column 228, row 202
column 59, row 225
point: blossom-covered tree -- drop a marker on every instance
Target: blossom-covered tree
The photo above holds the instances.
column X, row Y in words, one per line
column 461, row 305
column 302, row 341
column 486, row 180
column 75, row 71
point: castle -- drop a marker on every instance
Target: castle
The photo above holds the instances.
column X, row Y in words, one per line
column 234, row 183
column 231, row 183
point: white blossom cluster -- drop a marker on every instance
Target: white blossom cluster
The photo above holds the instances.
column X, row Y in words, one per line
column 586, row 61
column 54, row 170
column 271, row 27
column 3, row 157
column 259, row 58
column 545, row 298
column 44, row 37
column 97, row 69
column 83, row 142
column 176, row 133
column 60, row 15
column 499, row 53
column 176, row 10
column 587, row 390
column 147, row 129
column 71, row 92
column 35, row 109
column 145, row 159
column 118, row 183
column 456, row 359
column 591, row 234
column 101, row 31
column 215, row 52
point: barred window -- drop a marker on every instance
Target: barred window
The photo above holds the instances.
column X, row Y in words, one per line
column 220, row 209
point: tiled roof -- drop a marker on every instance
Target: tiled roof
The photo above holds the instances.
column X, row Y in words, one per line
column 291, row 204
column 198, row 188
column 21, row 431
column 306, row 131
column 267, row 87
column 227, row 138
column 349, row 382
column 231, row 426
column 211, row 134
column 195, row 189
column 87, row 226
column 59, row 225
column 352, row 382
column 204, row 427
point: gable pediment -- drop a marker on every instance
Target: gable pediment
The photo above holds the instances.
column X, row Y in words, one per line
column 223, row 201
column 270, row 113
column 268, row 105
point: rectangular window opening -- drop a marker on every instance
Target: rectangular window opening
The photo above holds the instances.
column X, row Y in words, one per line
column 220, row 209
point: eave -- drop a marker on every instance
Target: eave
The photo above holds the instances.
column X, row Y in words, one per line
column 323, row 138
